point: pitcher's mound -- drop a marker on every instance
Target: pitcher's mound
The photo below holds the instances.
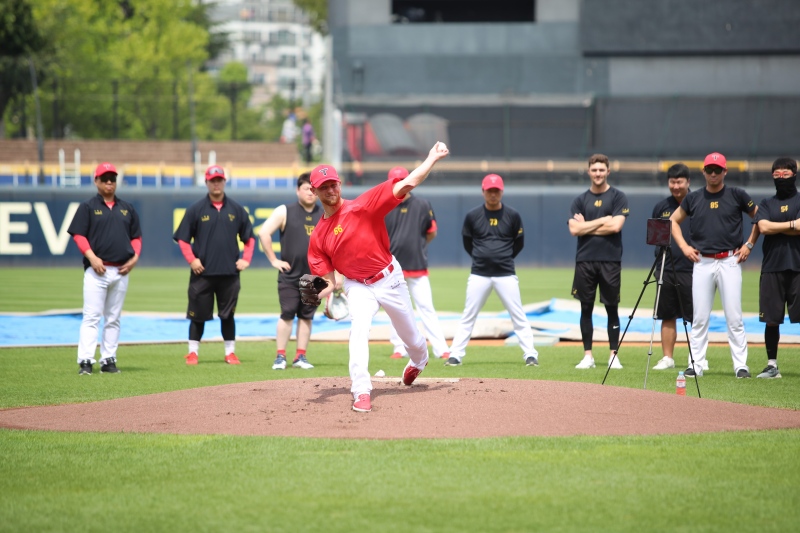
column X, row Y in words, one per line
column 430, row 409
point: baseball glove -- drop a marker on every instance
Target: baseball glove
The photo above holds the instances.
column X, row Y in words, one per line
column 336, row 306
column 310, row 287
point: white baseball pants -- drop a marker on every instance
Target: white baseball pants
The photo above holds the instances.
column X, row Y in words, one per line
column 420, row 289
column 478, row 290
column 103, row 296
column 708, row 275
column 391, row 293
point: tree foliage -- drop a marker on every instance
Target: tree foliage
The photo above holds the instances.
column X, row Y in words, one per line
column 20, row 39
column 317, row 11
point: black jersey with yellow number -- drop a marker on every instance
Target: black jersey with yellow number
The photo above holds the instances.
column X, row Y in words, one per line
column 781, row 251
column 717, row 218
column 593, row 206
column 493, row 236
column 213, row 234
column 294, row 240
column 408, row 225
column 108, row 230
column 664, row 210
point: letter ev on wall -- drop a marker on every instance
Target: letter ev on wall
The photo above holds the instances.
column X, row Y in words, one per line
column 16, row 236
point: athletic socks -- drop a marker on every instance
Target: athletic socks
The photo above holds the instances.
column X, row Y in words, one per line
column 587, row 329
column 772, row 335
column 230, row 347
column 613, row 327
column 194, row 346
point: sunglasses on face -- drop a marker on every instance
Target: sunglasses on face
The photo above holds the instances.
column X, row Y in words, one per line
column 713, row 170
column 782, row 174
column 106, row 179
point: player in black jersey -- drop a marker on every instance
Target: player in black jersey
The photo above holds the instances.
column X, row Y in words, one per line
column 597, row 217
column 669, row 308
column 295, row 222
column 208, row 237
column 777, row 219
column 411, row 226
column 492, row 235
column 716, row 213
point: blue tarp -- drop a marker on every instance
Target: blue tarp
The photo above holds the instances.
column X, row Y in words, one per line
column 44, row 330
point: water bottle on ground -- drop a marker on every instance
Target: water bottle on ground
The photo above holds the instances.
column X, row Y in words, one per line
column 680, row 384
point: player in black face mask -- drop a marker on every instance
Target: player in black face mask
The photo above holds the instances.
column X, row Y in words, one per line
column 777, row 218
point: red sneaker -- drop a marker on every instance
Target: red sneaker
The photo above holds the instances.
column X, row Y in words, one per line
column 232, row 359
column 410, row 374
column 445, row 355
column 362, row 404
column 191, row 359
column 397, row 355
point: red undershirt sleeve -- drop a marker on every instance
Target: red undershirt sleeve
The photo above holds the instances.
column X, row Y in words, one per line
column 247, row 255
column 136, row 244
column 82, row 242
column 186, row 250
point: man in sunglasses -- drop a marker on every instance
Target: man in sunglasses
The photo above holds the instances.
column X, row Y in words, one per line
column 107, row 232
column 780, row 269
column 716, row 213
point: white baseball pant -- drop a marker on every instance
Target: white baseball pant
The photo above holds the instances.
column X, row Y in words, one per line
column 478, row 290
column 420, row 289
column 103, row 296
column 391, row 293
column 708, row 275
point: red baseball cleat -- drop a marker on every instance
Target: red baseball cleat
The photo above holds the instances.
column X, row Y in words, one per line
column 397, row 355
column 191, row 359
column 232, row 359
column 410, row 374
column 362, row 404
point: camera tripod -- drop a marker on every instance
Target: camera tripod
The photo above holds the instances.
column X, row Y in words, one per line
column 663, row 253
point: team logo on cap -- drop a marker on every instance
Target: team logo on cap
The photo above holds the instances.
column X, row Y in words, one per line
column 324, row 171
column 715, row 157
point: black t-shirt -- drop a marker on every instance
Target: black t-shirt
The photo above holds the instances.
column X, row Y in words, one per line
column 294, row 240
column 664, row 210
column 493, row 236
column 593, row 206
column 781, row 251
column 109, row 231
column 717, row 218
column 214, row 234
column 408, row 226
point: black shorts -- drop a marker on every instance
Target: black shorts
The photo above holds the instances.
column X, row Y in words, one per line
column 590, row 274
column 291, row 306
column 668, row 303
column 203, row 289
column 777, row 290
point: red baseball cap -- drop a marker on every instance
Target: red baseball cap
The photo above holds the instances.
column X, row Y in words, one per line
column 717, row 159
column 323, row 173
column 397, row 174
column 104, row 168
column 492, row 181
column 215, row 171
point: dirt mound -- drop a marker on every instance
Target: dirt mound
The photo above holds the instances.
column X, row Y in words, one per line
column 432, row 408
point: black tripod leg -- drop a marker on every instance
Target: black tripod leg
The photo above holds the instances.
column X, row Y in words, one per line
column 630, row 318
column 683, row 318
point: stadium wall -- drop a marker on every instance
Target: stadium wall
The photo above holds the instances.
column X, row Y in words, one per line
column 33, row 224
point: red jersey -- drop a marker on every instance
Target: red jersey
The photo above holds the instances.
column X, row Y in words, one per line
column 354, row 240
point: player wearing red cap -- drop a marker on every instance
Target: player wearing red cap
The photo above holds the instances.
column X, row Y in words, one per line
column 411, row 226
column 107, row 232
column 492, row 235
column 717, row 253
column 207, row 236
column 351, row 238
column 597, row 217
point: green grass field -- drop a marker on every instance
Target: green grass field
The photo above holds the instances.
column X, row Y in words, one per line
column 51, row 481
